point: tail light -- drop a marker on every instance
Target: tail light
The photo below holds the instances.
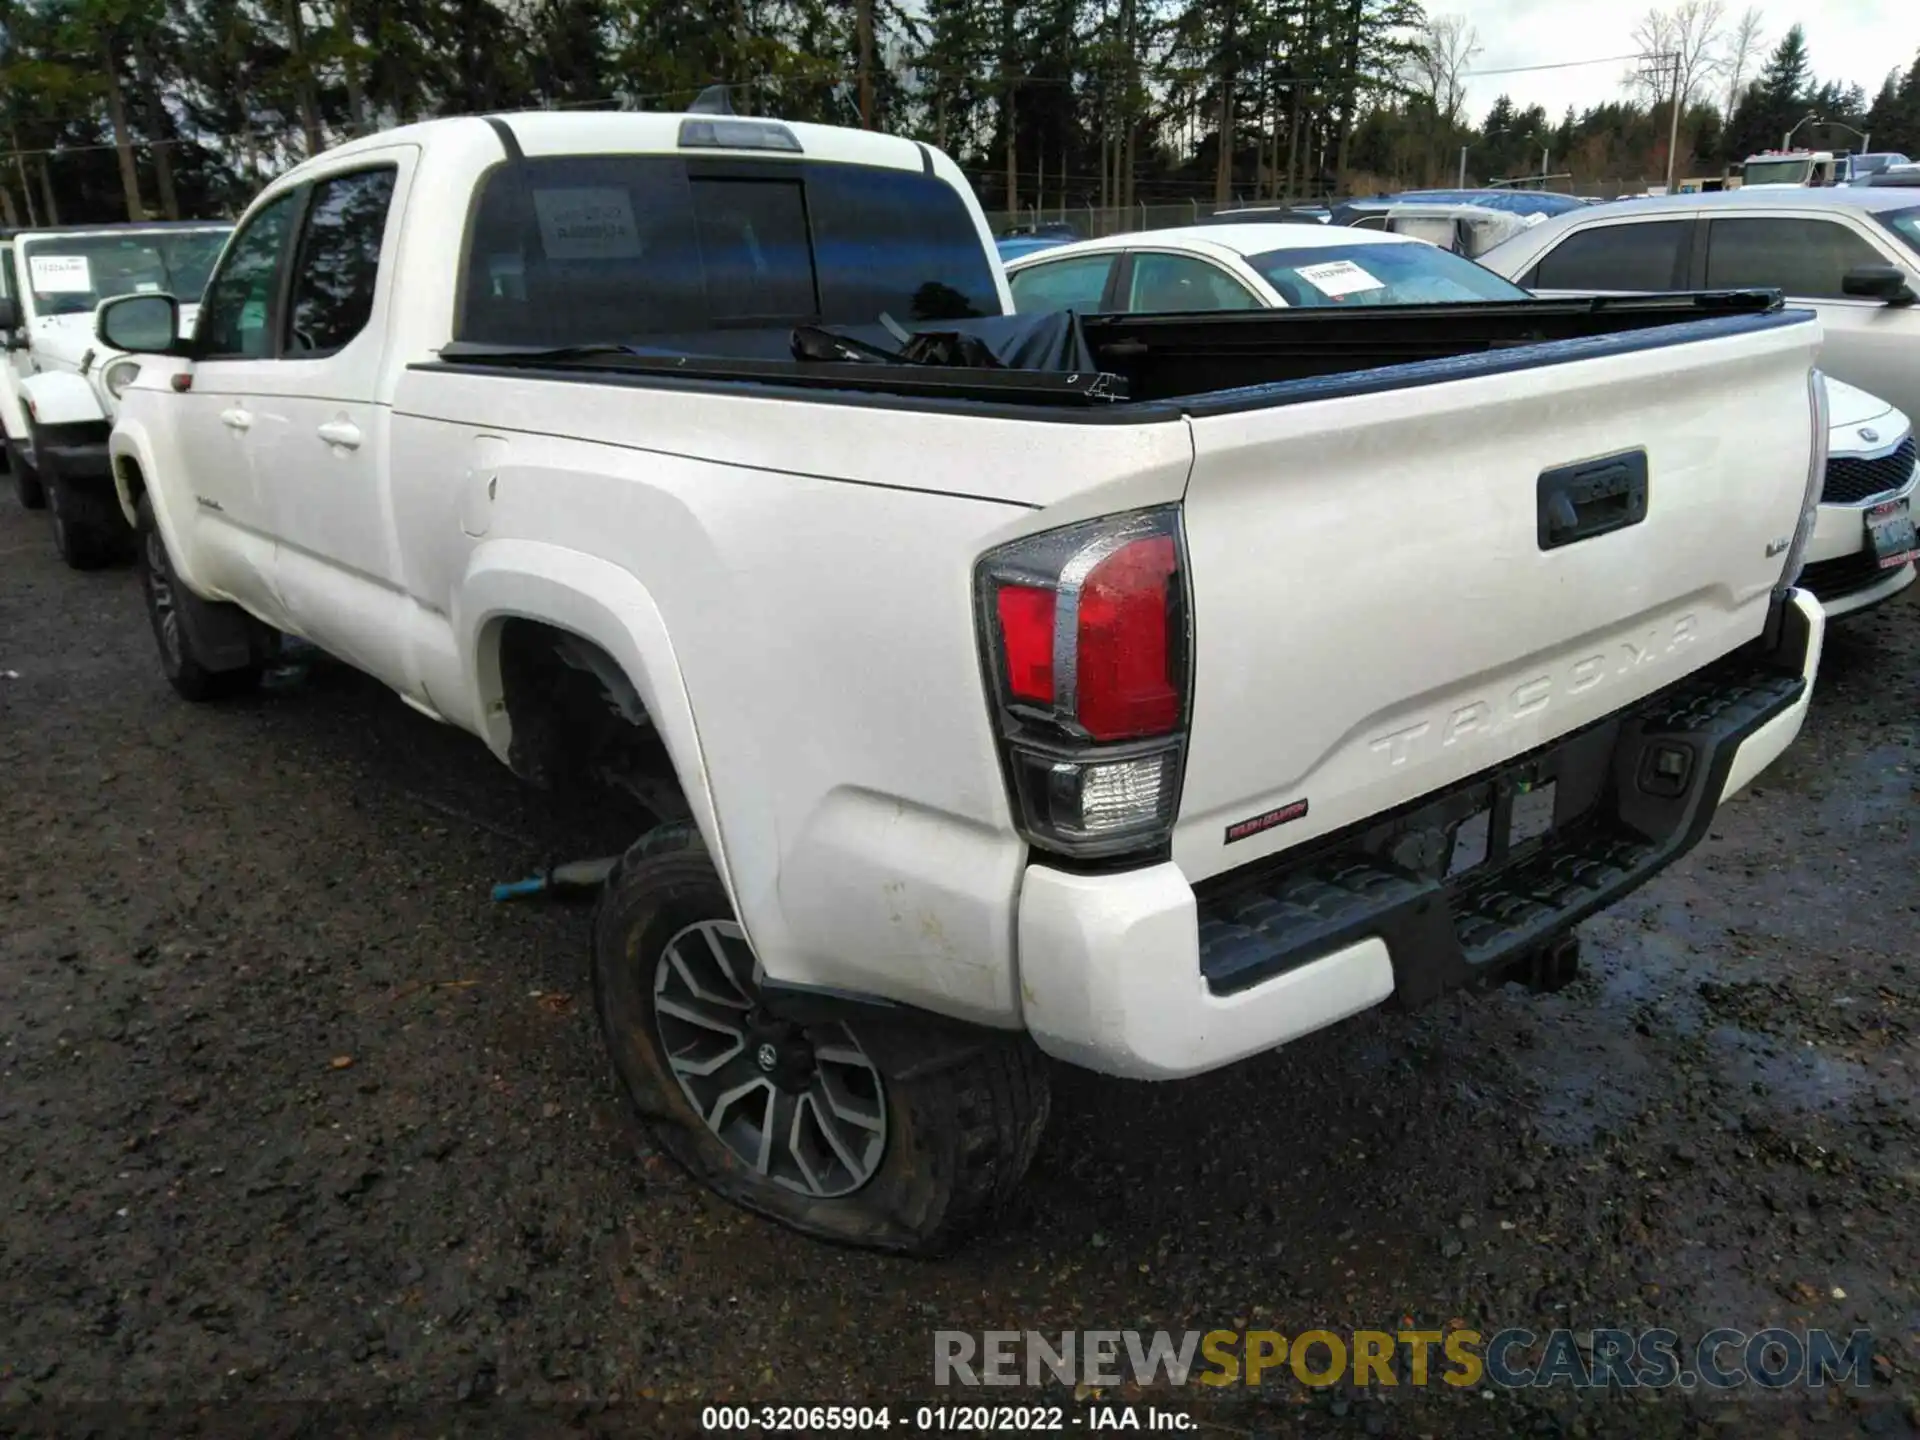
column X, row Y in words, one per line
column 1816, row 481
column 1087, row 648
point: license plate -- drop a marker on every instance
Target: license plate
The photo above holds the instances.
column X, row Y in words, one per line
column 1890, row 533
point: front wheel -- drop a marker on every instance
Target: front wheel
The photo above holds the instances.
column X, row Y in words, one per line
column 26, row 480
column 86, row 536
column 888, row 1134
column 185, row 670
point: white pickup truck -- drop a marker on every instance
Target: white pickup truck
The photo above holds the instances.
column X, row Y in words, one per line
column 1009, row 684
column 61, row 384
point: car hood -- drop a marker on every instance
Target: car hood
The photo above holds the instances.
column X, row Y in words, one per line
column 1849, row 407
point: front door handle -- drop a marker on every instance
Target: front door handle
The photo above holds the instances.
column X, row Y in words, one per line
column 236, row 419
column 343, row 433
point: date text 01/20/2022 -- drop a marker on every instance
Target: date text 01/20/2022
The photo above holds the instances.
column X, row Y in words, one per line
column 937, row 1419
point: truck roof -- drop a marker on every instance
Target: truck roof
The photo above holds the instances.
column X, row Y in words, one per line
column 625, row 132
column 112, row 227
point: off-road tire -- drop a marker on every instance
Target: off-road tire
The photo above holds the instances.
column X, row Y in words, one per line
column 965, row 1107
column 81, row 540
column 26, row 480
column 190, row 679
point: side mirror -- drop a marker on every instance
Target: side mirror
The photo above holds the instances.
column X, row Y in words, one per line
column 1878, row 282
column 140, row 324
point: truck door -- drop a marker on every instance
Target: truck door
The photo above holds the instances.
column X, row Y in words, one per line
column 321, row 440
column 219, row 509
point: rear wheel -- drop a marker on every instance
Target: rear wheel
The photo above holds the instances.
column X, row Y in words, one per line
column 184, row 669
column 882, row 1133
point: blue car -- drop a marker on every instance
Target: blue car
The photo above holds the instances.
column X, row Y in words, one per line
column 1012, row 247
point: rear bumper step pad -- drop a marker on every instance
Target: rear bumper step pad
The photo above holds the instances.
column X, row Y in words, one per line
column 1634, row 793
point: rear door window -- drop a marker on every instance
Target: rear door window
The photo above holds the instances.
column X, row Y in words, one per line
column 1803, row 257
column 1077, row 283
column 1169, row 284
column 338, row 264
column 1642, row 256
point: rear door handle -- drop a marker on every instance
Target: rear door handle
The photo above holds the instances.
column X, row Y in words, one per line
column 236, row 419
column 1594, row 497
column 343, row 433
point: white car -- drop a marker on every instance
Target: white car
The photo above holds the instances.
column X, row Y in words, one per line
column 1860, row 554
column 1247, row 267
column 1084, row 702
column 1851, row 253
column 1863, row 549
column 61, row 384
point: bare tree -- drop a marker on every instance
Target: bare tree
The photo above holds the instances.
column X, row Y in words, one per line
column 1743, row 46
column 1437, row 68
column 1687, row 38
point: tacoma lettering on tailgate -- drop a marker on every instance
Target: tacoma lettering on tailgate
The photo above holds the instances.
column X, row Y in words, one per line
column 1532, row 695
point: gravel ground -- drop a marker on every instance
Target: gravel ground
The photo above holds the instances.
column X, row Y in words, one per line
column 289, row 1113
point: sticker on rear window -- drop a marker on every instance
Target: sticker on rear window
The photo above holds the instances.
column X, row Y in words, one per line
column 587, row 224
column 60, row 274
column 1339, row 277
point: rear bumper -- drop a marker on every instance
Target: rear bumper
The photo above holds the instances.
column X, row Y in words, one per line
column 1136, row 974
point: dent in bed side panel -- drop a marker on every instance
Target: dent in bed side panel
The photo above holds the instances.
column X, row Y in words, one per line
column 1374, row 615
column 824, row 633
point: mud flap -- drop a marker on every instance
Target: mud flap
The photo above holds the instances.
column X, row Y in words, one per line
column 219, row 636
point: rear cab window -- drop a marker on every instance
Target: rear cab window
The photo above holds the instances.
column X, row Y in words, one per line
column 656, row 249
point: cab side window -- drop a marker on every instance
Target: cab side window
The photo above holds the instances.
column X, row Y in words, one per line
column 1074, row 284
column 1173, row 284
column 338, row 262
column 236, row 318
column 1804, row 257
column 1645, row 255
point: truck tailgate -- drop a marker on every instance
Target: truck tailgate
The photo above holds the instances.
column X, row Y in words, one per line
column 1404, row 578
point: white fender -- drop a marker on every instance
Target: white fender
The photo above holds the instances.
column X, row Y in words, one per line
column 60, row 397
column 599, row 602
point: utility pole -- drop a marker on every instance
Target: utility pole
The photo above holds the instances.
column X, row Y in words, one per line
column 1463, row 168
column 1673, row 127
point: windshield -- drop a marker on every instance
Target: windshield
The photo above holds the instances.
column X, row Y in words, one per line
column 71, row 274
column 1409, row 274
column 1777, row 172
column 1905, row 224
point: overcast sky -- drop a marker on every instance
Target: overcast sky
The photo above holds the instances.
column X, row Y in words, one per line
column 1852, row 40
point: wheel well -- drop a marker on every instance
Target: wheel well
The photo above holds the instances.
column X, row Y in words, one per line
column 578, row 720
column 131, row 482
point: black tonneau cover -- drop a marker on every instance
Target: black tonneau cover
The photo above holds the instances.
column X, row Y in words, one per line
column 1063, row 359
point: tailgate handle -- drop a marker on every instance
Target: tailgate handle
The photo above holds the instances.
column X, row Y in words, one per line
column 1594, row 497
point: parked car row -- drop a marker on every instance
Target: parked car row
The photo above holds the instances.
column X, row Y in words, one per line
column 1122, row 681
column 1863, row 548
column 61, row 385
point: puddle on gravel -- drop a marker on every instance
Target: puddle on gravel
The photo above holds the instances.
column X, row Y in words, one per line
column 1794, row 1079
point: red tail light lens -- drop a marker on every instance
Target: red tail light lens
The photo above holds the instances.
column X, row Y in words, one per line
column 1026, row 633
column 1085, row 637
column 1124, row 681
